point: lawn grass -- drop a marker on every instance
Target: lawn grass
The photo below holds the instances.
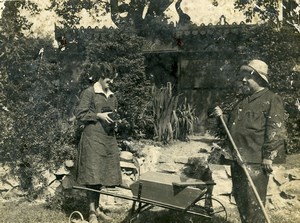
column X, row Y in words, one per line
column 28, row 212
column 31, row 212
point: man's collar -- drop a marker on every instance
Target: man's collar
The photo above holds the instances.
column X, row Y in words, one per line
column 258, row 94
column 99, row 90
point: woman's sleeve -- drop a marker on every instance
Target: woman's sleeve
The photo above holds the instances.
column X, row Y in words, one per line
column 85, row 111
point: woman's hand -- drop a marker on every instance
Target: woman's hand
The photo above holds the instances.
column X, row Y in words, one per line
column 104, row 117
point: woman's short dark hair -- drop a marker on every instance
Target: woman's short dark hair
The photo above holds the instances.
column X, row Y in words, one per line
column 102, row 70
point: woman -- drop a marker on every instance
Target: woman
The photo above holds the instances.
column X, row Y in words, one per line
column 98, row 157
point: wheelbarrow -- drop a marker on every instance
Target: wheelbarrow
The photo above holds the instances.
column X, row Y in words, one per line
column 173, row 192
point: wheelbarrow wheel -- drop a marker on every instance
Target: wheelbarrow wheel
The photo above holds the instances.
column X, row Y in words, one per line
column 212, row 208
column 135, row 219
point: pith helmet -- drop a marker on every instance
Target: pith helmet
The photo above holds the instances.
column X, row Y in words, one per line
column 259, row 66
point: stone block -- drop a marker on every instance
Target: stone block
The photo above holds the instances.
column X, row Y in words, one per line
column 181, row 159
column 4, row 169
column 291, row 188
column 50, row 177
column 107, row 201
column 4, row 186
column 275, row 203
column 280, row 175
column 168, row 168
column 223, row 181
column 163, row 159
column 54, row 188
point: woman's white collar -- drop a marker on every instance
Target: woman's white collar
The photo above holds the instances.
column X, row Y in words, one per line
column 99, row 90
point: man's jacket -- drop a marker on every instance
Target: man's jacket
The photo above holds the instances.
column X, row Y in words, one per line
column 257, row 127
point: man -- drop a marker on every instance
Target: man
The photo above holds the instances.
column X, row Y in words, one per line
column 257, row 127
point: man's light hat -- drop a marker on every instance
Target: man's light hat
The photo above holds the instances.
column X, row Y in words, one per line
column 259, row 66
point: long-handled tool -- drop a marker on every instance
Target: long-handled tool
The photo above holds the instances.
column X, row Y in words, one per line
column 239, row 157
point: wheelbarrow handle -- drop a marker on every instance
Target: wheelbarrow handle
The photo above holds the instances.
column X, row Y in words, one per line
column 240, row 161
column 185, row 184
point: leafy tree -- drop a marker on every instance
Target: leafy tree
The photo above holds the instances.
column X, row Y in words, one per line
column 266, row 10
column 135, row 13
column 68, row 10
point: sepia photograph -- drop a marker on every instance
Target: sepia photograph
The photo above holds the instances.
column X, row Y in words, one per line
column 149, row 111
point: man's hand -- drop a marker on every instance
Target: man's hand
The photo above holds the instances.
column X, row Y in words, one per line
column 267, row 166
column 217, row 111
column 104, row 116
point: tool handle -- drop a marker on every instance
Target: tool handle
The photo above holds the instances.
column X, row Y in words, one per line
column 239, row 157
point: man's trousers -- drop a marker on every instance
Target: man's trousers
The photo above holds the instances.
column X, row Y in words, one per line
column 248, row 206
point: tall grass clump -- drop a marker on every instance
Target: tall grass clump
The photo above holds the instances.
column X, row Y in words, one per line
column 172, row 120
